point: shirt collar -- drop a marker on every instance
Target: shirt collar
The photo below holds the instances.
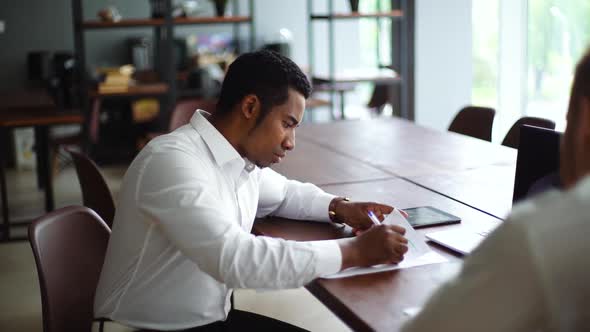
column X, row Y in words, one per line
column 223, row 152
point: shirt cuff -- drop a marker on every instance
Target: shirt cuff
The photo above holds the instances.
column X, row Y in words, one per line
column 329, row 257
column 320, row 206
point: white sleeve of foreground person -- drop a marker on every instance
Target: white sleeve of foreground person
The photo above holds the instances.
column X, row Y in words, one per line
column 497, row 290
column 531, row 274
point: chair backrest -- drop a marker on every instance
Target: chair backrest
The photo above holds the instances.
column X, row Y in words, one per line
column 69, row 245
column 512, row 138
column 95, row 192
column 184, row 110
column 382, row 94
column 474, row 121
column 537, row 162
column 94, row 125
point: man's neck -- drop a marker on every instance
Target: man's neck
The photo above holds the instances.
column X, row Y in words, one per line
column 230, row 128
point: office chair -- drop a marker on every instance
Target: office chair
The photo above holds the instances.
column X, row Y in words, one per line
column 69, row 245
column 381, row 96
column 181, row 115
column 512, row 138
column 95, row 192
column 474, row 121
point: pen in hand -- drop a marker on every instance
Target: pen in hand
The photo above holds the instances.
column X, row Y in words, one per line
column 374, row 218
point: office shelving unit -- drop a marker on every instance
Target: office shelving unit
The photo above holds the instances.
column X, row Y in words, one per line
column 398, row 74
column 166, row 88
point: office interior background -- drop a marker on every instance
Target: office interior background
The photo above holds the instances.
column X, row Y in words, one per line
column 516, row 56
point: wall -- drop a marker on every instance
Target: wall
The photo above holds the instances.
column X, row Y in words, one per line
column 443, row 70
column 442, row 46
column 47, row 25
column 31, row 25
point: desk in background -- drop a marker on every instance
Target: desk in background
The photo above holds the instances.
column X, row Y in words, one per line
column 32, row 108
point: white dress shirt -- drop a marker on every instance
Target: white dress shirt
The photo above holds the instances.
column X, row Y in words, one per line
column 531, row 274
column 181, row 234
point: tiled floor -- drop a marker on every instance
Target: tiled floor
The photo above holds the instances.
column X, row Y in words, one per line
column 20, row 304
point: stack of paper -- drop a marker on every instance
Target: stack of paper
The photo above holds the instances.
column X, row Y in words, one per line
column 419, row 253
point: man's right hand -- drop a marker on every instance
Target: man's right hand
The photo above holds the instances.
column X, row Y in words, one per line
column 381, row 244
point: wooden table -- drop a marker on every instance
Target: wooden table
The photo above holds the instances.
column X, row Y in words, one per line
column 309, row 162
column 404, row 148
column 474, row 172
column 376, row 302
column 31, row 108
column 470, row 178
column 487, row 188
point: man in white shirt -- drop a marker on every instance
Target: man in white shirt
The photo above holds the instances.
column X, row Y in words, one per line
column 181, row 236
column 532, row 273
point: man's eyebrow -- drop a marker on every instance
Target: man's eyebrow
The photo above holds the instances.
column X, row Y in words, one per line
column 294, row 120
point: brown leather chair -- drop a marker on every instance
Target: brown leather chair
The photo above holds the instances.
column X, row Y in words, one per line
column 382, row 95
column 181, row 115
column 512, row 138
column 69, row 245
column 474, row 121
column 95, row 192
column 184, row 110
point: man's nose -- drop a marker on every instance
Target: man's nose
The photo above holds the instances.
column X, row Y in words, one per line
column 289, row 142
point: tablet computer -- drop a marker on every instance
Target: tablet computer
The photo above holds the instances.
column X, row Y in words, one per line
column 424, row 216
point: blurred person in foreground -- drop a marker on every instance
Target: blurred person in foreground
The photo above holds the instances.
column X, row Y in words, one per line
column 532, row 273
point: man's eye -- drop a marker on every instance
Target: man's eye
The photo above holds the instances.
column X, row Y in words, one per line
column 286, row 124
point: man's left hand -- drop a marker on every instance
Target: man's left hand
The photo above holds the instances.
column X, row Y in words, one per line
column 356, row 214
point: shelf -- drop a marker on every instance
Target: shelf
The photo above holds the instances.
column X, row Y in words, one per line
column 126, row 23
column 315, row 102
column 212, row 20
column 362, row 75
column 154, row 22
column 391, row 14
column 133, row 91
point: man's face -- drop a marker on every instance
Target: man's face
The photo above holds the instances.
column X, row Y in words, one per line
column 269, row 142
column 575, row 145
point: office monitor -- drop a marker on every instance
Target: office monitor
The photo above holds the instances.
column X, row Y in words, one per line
column 537, row 164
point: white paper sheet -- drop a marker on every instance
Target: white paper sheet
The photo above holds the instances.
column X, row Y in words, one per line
column 412, row 311
column 429, row 258
column 419, row 253
column 417, row 246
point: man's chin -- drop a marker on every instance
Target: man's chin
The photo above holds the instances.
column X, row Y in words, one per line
column 263, row 165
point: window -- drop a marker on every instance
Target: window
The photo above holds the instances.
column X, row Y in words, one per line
column 485, row 53
column 558, row 35
column 534, row 80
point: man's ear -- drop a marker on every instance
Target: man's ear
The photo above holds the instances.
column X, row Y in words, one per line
column 250, row 106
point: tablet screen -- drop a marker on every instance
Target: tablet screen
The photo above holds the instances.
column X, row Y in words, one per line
column 424, row 216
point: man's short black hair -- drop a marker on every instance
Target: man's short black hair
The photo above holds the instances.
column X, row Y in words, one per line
column 266, row 74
